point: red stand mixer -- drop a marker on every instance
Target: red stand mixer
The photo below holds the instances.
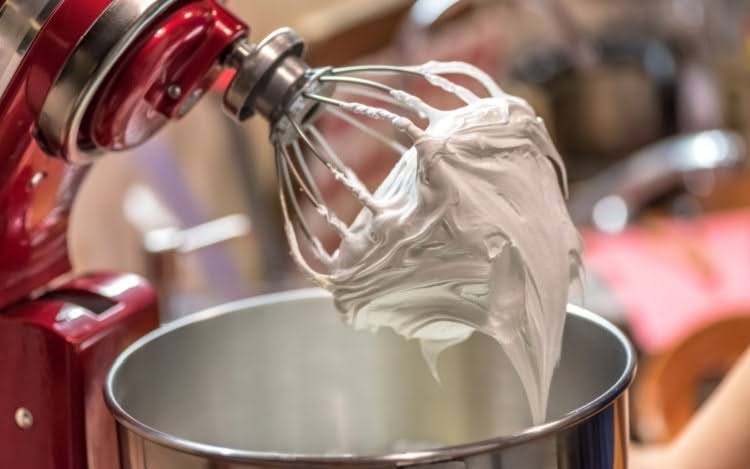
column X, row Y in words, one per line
column 79, row 78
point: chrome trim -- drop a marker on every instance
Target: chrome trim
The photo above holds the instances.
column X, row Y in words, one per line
column 83, row 73
column 20, row 22
column 602, row 402
column 266, row 74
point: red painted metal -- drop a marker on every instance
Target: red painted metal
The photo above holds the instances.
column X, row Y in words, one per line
column 182, row 52
column 56, row 370
column 34, row 222
column 34, row 219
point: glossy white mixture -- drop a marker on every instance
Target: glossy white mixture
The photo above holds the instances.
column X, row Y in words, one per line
column 469, row 232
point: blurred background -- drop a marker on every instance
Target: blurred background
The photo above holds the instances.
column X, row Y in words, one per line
column 648, row 101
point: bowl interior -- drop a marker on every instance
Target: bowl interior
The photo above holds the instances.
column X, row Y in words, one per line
column 286, row 375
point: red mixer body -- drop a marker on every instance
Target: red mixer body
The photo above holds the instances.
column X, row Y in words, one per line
column 55, row 351
column 58, row 338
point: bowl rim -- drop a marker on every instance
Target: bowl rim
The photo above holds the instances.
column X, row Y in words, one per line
column 568, row 420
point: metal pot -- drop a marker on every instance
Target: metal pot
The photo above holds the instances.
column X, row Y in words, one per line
column 280, row 381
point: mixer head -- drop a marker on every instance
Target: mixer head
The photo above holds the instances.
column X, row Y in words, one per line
column 123, row 105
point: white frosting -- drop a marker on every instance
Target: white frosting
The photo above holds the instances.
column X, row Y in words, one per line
column 469, row 232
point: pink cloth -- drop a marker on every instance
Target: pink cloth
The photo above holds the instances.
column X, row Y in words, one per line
column 676, row 275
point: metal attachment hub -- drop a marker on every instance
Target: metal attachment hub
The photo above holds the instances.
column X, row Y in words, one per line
column 268, row 74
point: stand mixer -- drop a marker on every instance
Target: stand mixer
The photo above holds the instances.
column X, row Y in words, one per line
column 79, row 79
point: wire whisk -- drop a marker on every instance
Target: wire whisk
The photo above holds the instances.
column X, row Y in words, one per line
column 297, row 138
column 272, row 80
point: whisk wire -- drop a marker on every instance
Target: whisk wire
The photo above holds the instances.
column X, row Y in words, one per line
column 319, row 204
column 286, row 191
column 389, row 142
column 290, row 166
column 289, row 228
column 357, row 81
column 317, row 250
column 349, row 69
column 304, row 168
column 345, row 175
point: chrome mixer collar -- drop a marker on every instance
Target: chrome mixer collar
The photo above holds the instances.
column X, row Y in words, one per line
column 268, row 75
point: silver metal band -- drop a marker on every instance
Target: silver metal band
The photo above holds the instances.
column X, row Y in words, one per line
column 93, row 58
column 266, row 73
column 20, row 22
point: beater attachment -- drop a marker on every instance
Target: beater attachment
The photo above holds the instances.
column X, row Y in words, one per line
column 274, row 81
column 368, row 97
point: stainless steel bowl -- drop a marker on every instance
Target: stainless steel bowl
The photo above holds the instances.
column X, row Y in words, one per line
column 279, row 381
